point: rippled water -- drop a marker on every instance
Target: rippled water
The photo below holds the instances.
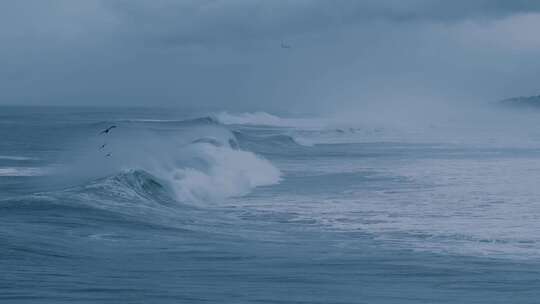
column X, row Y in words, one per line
column 254, row 208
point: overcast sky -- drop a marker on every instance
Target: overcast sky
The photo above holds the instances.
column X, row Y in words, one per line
column 227, row 53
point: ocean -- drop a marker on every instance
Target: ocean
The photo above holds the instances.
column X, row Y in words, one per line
column 177, row 206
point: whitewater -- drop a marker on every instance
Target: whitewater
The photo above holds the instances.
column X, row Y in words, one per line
column 177, row 206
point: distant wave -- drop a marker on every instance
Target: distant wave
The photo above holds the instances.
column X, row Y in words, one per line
column 22, row 171
column 257, row 118
column 206, row 120
column 267, row 143
column 265, row 119
column 307, row 131
column 21, row 158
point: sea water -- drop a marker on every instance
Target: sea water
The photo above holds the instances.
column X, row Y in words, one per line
column 178, row 206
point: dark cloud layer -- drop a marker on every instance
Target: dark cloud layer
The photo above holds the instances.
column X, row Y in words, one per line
column 227, row 54
column 211, row 21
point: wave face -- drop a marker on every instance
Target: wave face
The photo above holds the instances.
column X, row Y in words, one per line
column 257, row 118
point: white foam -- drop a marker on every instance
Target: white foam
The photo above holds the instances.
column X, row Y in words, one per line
column 228, row 173
column 265, row 119
column 478, row 207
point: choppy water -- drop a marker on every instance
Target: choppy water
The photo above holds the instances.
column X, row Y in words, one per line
column 253, row 208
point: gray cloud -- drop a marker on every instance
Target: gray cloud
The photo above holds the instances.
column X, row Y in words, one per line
column 226, row 53
column 223, row 21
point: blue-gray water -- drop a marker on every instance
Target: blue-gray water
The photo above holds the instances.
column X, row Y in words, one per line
column 252, row 208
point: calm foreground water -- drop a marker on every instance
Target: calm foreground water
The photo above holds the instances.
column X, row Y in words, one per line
column 176, row 207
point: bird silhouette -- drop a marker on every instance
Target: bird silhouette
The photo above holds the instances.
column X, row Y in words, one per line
column 285, row 46
column 106, row 131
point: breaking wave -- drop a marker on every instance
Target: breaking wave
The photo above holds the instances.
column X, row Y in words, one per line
column 197, row 160
column 225, row 172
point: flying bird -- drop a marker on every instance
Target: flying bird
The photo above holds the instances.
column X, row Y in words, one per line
column 106, row 131
column 285, row 46
column 102, row 146
column 108, row 155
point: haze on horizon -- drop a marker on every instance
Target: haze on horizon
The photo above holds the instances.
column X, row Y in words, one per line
column 227, row 54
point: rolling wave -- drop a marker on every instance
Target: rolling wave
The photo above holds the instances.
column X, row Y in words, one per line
column 266, row 143
column 206, row 120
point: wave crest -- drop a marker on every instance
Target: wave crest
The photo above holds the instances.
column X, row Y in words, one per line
column 266, row 119
column 227, row 172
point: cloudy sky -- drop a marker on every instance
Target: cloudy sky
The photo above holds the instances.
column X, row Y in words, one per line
column 227, row 54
